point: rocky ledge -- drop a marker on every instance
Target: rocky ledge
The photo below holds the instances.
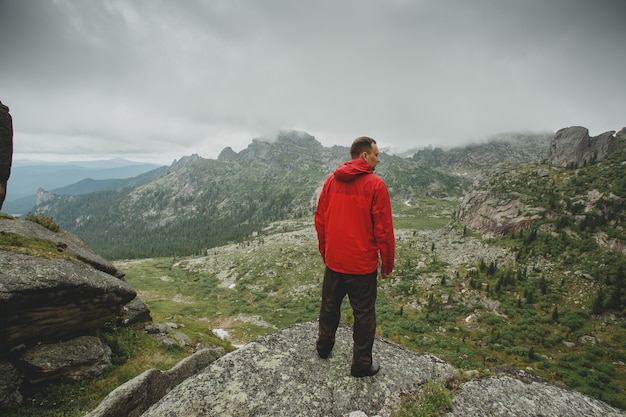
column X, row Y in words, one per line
column 281, row 374
column 54, row 293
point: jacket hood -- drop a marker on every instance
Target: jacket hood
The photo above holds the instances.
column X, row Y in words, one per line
column 352, row 169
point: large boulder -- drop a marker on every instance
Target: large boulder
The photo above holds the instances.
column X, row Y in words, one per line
column 6, row 149
column 65, row 293
column 52, row 299
column 573, row 145
column 493, row 213
column 54, row 293
column 137, row 395
column 281, row 374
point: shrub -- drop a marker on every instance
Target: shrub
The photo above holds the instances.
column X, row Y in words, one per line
column 45, row 221
column 431, row 401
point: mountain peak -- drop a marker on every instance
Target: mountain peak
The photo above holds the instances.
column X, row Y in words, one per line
column 293, row 142
column 184, row 161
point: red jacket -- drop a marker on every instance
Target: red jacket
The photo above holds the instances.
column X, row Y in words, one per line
column 353, row 221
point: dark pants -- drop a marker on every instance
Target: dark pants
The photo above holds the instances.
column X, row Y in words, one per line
column 361, row 291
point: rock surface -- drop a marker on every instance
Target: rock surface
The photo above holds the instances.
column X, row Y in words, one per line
column 522, row 395
column 573, row 145
column 6, row 149
column 50, row 304
column 52, row 299
column 135, row 396
column 68, row 360
column 10, row 381
column 65, row 242
column 490, row 215
column 281, row 374
column 494, row 213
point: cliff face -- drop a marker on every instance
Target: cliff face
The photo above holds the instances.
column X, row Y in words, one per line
column 573, row 145
column 489, row 214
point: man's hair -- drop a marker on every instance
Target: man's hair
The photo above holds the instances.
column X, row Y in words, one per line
column 360, row 145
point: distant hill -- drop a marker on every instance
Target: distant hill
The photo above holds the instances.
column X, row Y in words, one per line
column 29, row 176
column 201, row 203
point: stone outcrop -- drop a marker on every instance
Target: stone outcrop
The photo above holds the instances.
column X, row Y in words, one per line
column 281, row 374
column 573, row 145
column 135, row 396
column 227, row 154
column 65, row 242
column 46, row 300
column 495, row 213
column 6, row 149
column 517, row 394
column 53, row 295
column 135, row 312
column 489, row 215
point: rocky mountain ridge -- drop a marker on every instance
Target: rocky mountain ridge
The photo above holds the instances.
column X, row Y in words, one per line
column 511, row 148
column 213, row 202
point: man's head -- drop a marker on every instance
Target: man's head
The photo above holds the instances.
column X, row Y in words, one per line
column 365, row 148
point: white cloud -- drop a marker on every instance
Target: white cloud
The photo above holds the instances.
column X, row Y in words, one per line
column 149, row 79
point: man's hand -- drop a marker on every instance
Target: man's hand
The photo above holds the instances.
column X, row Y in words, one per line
column 386, row 276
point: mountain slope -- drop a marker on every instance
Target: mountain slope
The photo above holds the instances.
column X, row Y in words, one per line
column 201, row 203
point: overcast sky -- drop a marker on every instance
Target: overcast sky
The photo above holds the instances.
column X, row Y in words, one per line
column 155, row 80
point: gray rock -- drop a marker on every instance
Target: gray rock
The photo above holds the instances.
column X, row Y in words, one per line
column 157, row 328
column 47, row 300
column 69, row 360
column 573, row 145
column 168, row 343
column 65, row 242
column 6, row 149
column 522, row 395
column 135, row 396
column 135, row 312
column 281, row 374
column 10, row 382
column 182, row 339
column 488, row 213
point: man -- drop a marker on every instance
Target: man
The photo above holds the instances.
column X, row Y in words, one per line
column 355, row 233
